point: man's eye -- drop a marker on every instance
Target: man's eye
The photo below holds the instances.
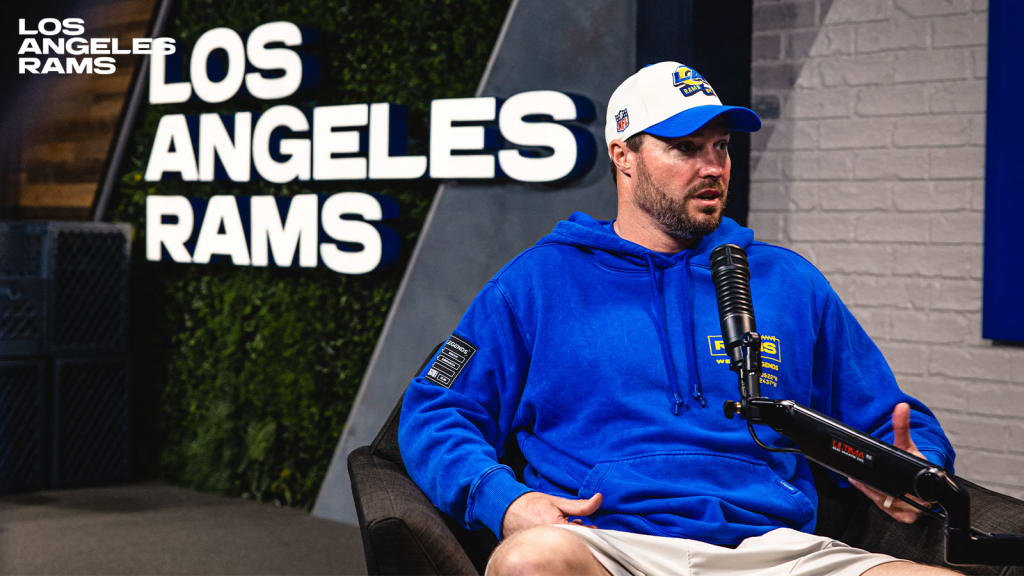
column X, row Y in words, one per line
column 685, row 147
column 722, row 145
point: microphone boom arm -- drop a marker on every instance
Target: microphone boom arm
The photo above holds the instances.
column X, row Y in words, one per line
column 864, row 458
column 833, row 444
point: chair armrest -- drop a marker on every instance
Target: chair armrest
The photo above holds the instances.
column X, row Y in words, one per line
column 994, row 512
column 403, row 533
column 924, row 541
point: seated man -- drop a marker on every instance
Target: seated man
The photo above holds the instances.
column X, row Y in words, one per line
column 599, row 351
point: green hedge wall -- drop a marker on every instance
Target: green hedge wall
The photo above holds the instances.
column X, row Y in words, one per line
column 247, row 375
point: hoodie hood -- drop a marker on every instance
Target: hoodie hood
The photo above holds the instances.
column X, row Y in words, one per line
column 583, row 231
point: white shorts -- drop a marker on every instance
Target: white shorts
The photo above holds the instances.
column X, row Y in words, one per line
column 782, row 551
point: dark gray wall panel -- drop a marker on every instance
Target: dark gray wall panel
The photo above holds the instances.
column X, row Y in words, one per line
column 473, row 229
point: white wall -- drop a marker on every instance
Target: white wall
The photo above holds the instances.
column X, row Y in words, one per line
column 871, row 164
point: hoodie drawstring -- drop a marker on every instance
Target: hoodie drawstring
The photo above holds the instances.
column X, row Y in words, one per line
column 696, row 390
column 658, row 303
column 659, row 318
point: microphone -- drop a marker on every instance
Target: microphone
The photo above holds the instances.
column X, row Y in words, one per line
column 731, row 276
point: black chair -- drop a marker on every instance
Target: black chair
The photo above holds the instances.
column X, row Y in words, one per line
column 403, row 533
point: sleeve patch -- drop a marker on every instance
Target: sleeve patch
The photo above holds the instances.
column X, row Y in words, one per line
column 448, row 364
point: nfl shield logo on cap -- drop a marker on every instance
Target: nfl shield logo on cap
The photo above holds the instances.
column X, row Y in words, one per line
column 621, row 120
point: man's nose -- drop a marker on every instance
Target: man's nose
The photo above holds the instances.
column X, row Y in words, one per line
column 712, row 165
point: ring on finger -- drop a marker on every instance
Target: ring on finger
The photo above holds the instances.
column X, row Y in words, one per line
column 888, row 502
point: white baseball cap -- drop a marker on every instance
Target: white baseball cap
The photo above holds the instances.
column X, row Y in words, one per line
column 669, row 99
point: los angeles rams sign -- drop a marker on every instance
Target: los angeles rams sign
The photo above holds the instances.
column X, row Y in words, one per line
column 344, row 142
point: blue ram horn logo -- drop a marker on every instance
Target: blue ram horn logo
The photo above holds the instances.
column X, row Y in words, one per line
column 690, row 81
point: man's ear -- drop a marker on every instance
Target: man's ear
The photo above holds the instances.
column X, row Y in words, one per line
column 623, row 158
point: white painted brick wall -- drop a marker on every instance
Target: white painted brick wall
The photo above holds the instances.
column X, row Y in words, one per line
column 873, row 168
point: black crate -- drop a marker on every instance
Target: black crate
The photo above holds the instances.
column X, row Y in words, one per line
column 89, row 268
column 65, row 386
column 23, row 425
column 92, row 421
column 23, row 249
column 84, row 272
column 23, row 315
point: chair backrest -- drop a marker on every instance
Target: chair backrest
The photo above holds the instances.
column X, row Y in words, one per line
column 478, row 544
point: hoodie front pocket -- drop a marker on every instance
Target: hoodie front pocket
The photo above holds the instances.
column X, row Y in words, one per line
column 709, row 496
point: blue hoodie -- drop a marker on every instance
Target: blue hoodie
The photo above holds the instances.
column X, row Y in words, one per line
column 603, row 359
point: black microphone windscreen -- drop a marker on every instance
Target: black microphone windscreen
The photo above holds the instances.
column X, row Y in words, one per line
column 731, row 276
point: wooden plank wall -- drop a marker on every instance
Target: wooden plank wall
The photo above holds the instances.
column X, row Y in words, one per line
column 64, row 146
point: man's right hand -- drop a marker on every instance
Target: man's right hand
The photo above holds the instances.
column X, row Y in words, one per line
column 537, row 508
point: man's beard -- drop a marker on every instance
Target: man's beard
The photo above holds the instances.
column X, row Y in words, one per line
column 670, row 213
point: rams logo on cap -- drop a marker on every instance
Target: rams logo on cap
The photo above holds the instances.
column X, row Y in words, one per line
column 690, row 82
column 621, row 120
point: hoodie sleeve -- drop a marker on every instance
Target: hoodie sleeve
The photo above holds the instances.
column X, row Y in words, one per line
column 451, row 434
column 853, row 383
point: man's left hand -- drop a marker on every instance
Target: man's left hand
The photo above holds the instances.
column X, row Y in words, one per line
column 898, row 509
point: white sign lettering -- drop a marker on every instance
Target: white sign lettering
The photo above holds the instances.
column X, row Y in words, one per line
column 528, row 137
column 340, row 231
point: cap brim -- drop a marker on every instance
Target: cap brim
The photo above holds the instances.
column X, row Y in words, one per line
column 689, row 121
